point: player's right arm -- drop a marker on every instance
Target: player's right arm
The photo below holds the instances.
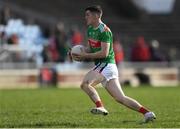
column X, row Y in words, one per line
column 70, row 54
column 87, row 49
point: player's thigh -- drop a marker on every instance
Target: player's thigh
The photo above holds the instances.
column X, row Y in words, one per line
column 93, row 78
column 114, row 88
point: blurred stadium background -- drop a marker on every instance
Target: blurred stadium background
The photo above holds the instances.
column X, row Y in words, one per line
column 35, row 37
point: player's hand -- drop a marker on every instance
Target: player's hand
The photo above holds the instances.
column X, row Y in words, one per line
column 81, row 56
column 70, row 55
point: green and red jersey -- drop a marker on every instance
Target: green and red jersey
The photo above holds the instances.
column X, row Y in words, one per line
column 96, row 36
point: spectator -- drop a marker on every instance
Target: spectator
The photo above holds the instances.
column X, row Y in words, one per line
column 140, row 50
column 77, row 37
column 61, row 42
column 13, row 39
column 172, row 54
column 52, row 47
column 3, row 38
column 156, row 54
column 5, row 15
column 118, row 51
column 45, row 54
column 46, row 76
column 54, row 55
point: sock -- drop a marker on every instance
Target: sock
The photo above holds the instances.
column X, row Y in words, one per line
column 143, row 110
column 99, row 104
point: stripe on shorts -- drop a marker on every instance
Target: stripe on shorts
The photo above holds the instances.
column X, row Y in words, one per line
column 103, row 67
column 97, row 66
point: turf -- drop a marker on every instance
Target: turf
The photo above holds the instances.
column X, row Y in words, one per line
column 69, row 108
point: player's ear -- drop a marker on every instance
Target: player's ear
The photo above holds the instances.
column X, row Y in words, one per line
column 97, row 15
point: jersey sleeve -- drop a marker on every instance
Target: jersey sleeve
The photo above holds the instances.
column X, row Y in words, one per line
column 105, row 37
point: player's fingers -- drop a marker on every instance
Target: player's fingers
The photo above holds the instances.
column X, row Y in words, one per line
column 69, row 52
column 74, row 54
column 78, row 59
column 82, row 50
column 69, row 49
column 70, row 55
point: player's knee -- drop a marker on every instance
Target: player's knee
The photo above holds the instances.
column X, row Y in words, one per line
column 84, row 84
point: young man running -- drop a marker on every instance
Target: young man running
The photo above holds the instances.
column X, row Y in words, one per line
column 100, row 40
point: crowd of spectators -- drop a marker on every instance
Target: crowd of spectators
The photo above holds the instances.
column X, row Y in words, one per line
column 142, row 51
column 33, row 45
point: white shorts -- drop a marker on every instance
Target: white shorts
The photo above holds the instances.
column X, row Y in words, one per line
column 108, row 70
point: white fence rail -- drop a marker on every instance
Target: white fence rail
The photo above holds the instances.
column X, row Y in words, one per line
column 26, row 75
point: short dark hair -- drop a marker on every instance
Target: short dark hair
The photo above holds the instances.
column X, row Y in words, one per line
column 95, row 9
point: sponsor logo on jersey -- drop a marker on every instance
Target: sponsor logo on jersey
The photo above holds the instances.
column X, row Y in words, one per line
column 94, row 43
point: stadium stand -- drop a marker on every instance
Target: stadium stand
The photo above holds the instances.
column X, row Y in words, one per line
column 31, row 25
column 164, row 28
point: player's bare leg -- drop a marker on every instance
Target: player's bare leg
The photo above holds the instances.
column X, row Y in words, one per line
column 115, row 90
column 91, row 79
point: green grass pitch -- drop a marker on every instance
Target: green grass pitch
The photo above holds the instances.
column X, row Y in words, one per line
column 70, row 108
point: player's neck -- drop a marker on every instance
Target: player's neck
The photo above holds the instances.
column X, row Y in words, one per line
column 96, row 24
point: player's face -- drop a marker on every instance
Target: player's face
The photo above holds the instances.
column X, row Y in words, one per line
column 90, row 17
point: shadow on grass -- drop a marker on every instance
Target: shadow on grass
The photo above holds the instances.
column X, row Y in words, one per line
column 136, row 122
column 44, row 124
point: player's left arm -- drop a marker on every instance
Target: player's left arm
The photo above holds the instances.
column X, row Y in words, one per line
column 103, row 53
column 87, row 49
column 105, row 39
